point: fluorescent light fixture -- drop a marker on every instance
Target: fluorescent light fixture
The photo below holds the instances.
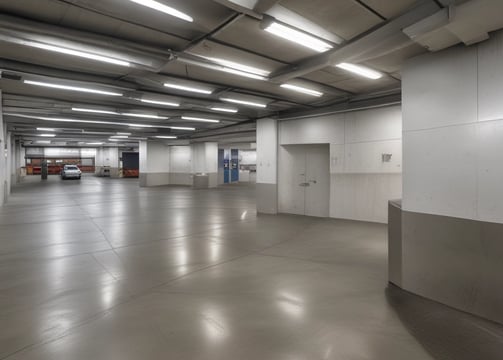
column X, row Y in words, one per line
column 243, row 102
column 95, row 111
column 67, row 120
column 123, row 133
column 47, row 135
column 164, row 103
column 182, row 128
column 297, row 36
column 146, row 116
column 165, row 137
column 242, row 73
column 164, row 8
column 45, row 129
column 302, row 90
column 229, row 110
column 188, row 88
column 119, row 137
column 78, row 53
column 72, row 88
column 240, row 67
column 190, row 118
column 360, row 70
column 111, row 139
column 43, row 141
column 94, row 143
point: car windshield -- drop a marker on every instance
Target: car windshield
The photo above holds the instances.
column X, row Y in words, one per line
column 71, row 168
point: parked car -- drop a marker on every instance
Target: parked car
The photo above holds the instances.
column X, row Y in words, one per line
column 70, row 171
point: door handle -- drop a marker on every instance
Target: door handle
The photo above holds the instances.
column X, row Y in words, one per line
column 304, row 184
column 312, row 181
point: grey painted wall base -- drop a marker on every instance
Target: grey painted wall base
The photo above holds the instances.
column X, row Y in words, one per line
column 395, row 242
column 457, row 262
column 180, row 179
column 267, row 198
column 153, row 179
column 213, row 180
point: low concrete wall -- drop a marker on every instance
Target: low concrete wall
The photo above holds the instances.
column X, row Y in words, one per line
column 267, row 198
column 457, row 262
column 154, row 179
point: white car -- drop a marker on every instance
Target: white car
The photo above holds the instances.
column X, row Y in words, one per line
column 70, row 171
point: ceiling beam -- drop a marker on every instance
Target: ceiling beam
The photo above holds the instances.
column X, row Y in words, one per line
column 263, row 6
column 375, row 42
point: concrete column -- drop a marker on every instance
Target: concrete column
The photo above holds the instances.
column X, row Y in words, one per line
column 3, row 159
column 9, row 162
column 107, row 157
column 205, row 160
column 154, row 163
column 19, row 154
column 267, row 166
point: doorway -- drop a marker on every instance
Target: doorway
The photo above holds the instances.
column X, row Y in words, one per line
column 304, row 180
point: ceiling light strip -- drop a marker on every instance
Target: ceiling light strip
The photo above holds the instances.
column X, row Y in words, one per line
column 72, row 88
column 243, row 102
column 191, row 118
column 302, row 90
column 100, row 122
column 78, row 53
column 297, row 36
column 188, row 88
column 360, row 70
column 164, row 8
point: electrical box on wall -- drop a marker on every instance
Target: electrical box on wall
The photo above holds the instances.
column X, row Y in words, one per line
column 386, row 157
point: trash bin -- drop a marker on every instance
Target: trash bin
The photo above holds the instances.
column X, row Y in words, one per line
column 200, row 181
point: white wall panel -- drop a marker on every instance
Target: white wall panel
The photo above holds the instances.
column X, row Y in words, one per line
column 154, row 157
column 490, row 171
column 440, row 89
column 366, row 157
column 490, row 91
column 439, row 172
column 267, row 144
column 363, row 196
column 374, row 124
column 336, row 158
column 180, row 159
column 319, row 130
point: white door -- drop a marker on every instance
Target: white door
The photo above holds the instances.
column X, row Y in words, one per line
column 304, row 180
column 291, row 196
column 317, row 199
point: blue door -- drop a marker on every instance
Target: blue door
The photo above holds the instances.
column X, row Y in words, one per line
column 226, row 167
column 234, row 165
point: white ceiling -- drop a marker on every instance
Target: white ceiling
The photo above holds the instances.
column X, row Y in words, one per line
column 159, row 45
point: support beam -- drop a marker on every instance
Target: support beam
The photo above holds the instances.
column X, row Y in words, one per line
column 375, row 42
column 263, row 6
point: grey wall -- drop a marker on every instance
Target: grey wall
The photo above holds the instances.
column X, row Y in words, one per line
column 452, row 232
column 361, row 184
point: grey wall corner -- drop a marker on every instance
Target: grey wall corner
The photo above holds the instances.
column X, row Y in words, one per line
column 267, row 198
column 395, row 242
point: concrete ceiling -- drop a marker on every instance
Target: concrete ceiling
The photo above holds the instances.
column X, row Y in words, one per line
column 162, row 48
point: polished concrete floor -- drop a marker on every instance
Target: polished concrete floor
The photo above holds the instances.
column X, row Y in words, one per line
column 103, row 269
